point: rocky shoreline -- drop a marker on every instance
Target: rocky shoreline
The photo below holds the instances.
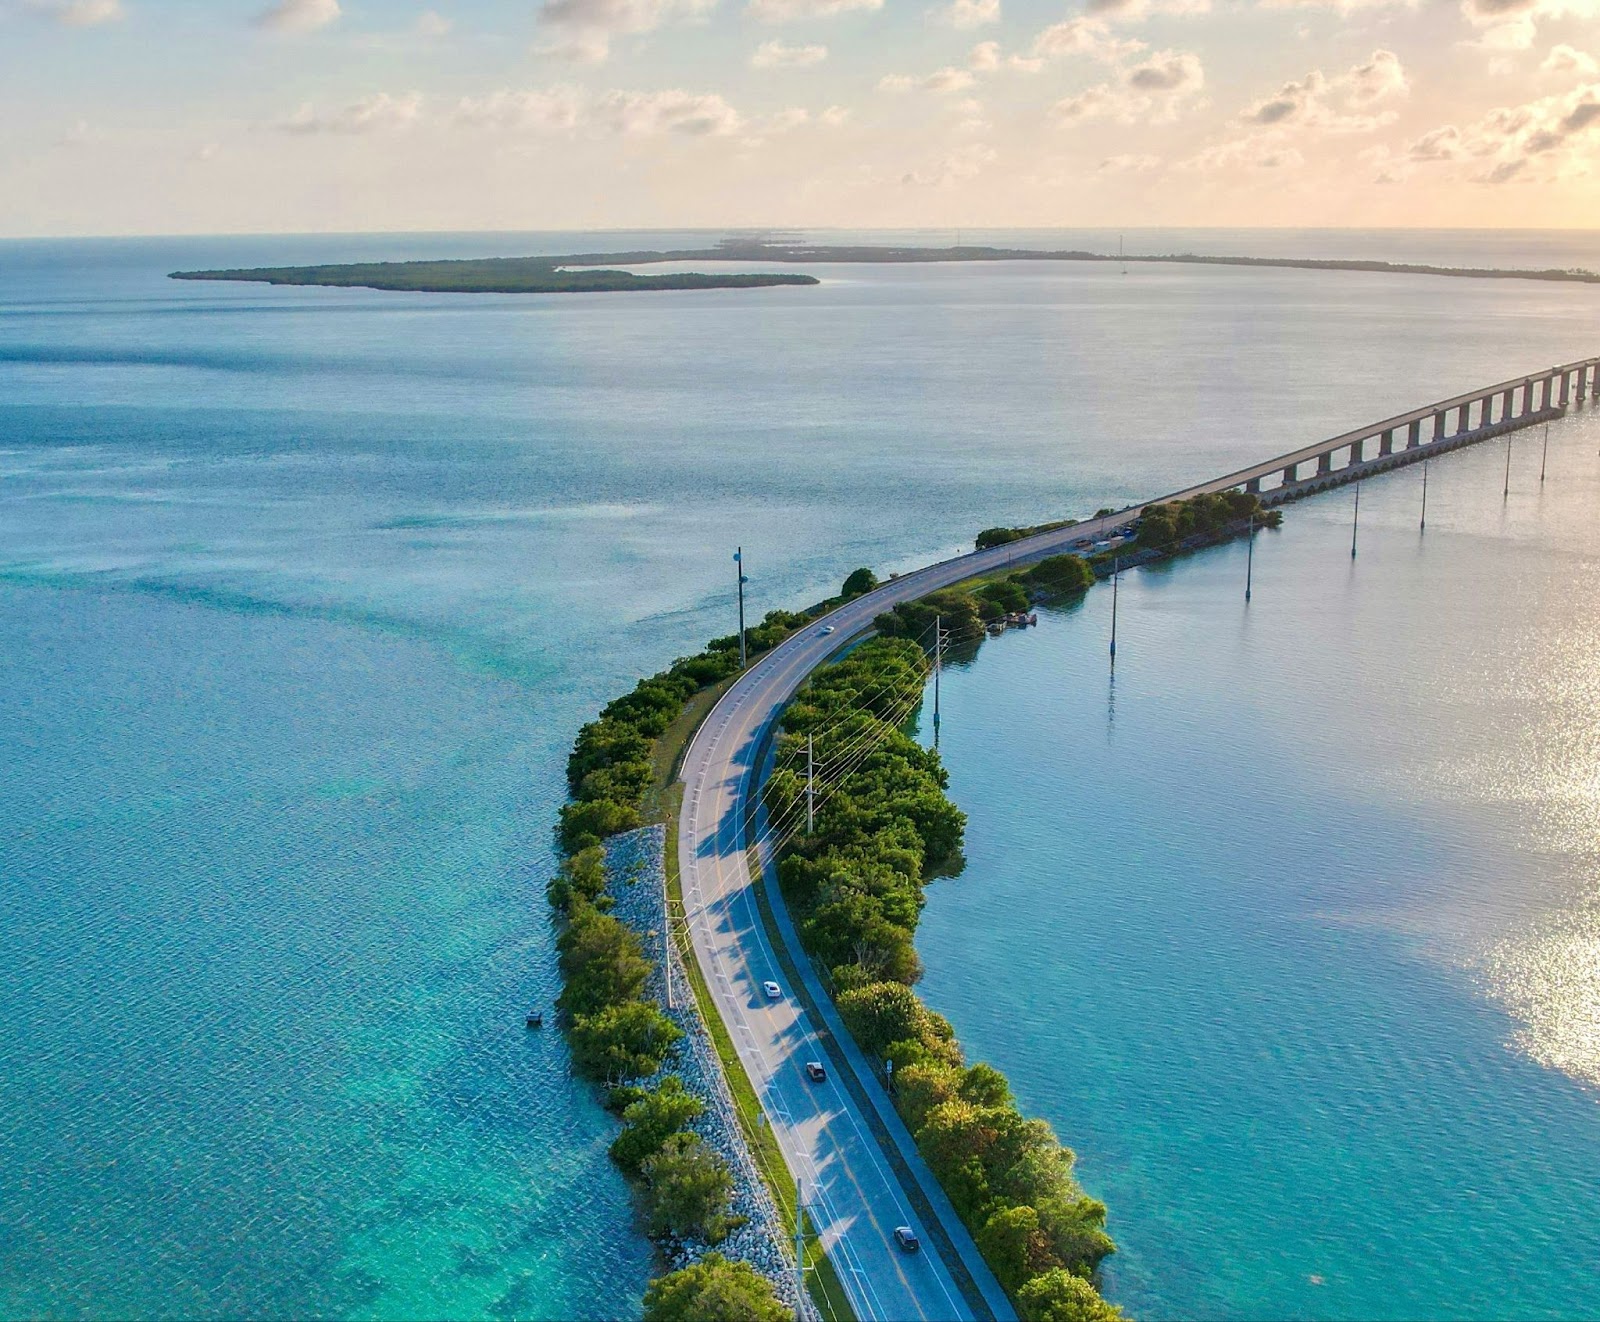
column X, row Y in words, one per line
column 636, row 882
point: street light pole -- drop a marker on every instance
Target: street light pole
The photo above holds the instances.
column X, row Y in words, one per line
column 1423, row 526
column 938, row 666
column 738, row 563
column 1250, row 558
column 1544, row 454
column 1355, row 523
column 1116, row 569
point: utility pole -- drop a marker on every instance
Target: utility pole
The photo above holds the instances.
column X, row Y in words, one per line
column 799, row 1246
column 811, row 787
column 1355, row 523
column 1507, row 492
column 1423, row 526
column 738, row 562
column 1250, row 558
column 1116, row 568
column 938, row 665
column 1545, row 453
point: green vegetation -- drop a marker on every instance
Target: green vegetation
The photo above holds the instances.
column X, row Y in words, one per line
column 493, row 275
column 967, row 608
column 688, row 1190
column 715, row 1290
column 883, row 828
column 1162, row 526
column 990, row 537
column 860, row 580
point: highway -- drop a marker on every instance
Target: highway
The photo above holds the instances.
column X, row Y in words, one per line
column 856, row 1191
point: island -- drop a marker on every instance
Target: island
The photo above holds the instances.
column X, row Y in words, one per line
column 578, row 273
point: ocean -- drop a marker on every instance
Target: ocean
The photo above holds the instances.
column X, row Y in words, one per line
column 304, row 593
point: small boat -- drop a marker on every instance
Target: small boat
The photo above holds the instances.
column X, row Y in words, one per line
column 536, row 1019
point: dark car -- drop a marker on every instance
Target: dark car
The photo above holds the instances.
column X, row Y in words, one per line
column 815, row 1071
column 907, row 1239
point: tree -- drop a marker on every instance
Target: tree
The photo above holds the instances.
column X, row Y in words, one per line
column 688, row 1190
column 651, row 1120
column 1059, row 1296
column 1013, row 1244
column 860, row 580
column 713, row 1290
column 602, row 962
column 621, row 1042
column 881, row 1013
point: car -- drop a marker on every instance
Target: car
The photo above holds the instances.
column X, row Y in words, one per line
column 907, row 1239
column 773, row 991
column 815, row 1071
column 826, row 630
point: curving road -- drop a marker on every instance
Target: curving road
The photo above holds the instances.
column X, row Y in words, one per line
column 858, row 1167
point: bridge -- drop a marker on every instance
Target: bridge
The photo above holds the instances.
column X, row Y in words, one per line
column 858, row 1168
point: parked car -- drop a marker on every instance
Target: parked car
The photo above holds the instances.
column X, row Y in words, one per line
column 815, row 1072
column 773, row 991
column 907, row 1239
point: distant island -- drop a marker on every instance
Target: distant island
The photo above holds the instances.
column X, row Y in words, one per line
column 594, row 272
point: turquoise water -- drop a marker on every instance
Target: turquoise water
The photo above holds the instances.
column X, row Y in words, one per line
column 303, row 594
column 1293, row 929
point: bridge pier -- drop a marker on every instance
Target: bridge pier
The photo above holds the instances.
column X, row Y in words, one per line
column 1253, row 486
column 1358, row 450
column 1464, row 418
column 1386, row 442
column 1506, row 405
column 1325, row 462
column 1290, row 475
column 1414, row 435
column 1438, row 425
column 1566, row 390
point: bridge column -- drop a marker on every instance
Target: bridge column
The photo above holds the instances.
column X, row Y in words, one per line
column 1464, row 418
column 1253, row 486
column 1325, row 462
column 1566, row 389
column 1414, row 435
column 1507, row 405
column 1386, row 442
column 1358, row 450
column 1438, row 425
column 1291, row 475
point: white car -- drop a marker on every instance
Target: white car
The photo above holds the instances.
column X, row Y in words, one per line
column 826, row 630
column 773, row 991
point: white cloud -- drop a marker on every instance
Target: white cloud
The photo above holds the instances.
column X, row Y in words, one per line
column 776, row 55
column 789, row 11
column 586, row 28
column 968, row 13
column 1381, row 77
column 834, row 116
column 1513, row 25
column 545, row 110
column 431, row 25
column 1259, row 152
column 1129, row 164
column 296, row 16
column 645, row 114
column 1083, row 36
column 1307, row 102
column 1132, row 11
column 78, row 13
column 1564, row 60
column 984, row 57
column 1154, row 91
column 949, row 79
column 1339, row 6
column 371, row 114
column 963, row 163
column 1549, row 139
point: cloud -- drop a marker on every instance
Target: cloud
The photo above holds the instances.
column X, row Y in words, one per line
column 1132, row 11
column 789, row 11
column 372, row 114
column 834, row 116
column 431, row 25
column 1153, row 91
column 298, row 16
column 948, row 79
column 775, row 55
column 77, row 13
column 545, row 110
column 1129, row 164
column 1307, row 102
column 1563, row 60
column 1513, row 25
column 984, row 57
column 1255, row 152
column 646, row 114
column 1549, row 139
column 968, row 13
column 963, row 163
column 1339, row 6
column 586, row 28
column 1083, row 36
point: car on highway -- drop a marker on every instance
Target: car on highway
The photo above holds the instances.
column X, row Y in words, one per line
column 773, row 991
column 826, row 630
column 815, row 1071
column 907, row 1239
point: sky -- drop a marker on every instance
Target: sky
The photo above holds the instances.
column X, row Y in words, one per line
column 264, row 116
